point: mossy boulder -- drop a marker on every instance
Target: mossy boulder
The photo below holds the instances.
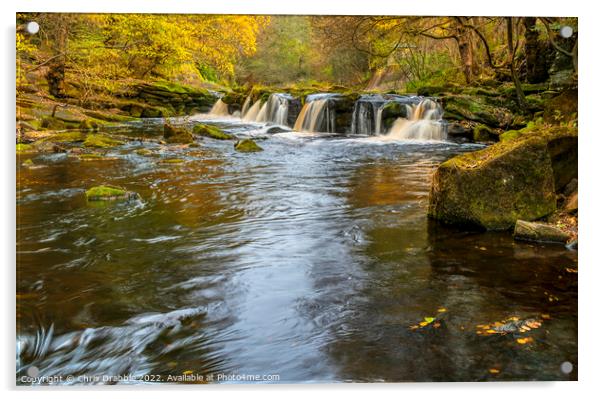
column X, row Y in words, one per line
column 65, row 137
column 213, row 132
column 482, row 110
column 512, row 180
column 482, row 133
column 247, row 145
column 101, row 141
column 25, row 148
column 108, row 193
column 90, row 157
column 176, row 135
column 88, row 124
column 143, row 152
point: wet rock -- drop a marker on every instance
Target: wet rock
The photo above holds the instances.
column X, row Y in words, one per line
column 101, row 141
column 94, row 157
column 247, row 145
column 143, row 152
column 511, row 180
column 172, row 160
column 25, row 148
column 570, row 188
column 213, row 132
column 539, row 232
column 571, row 205
column 109, row 193
column 88, row 124
column 483, row 133
column 176, row 135
column 276, row 129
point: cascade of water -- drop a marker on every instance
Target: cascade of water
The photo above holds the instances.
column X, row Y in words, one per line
column 275, row 109
column 246, row 106
column 220, row 108
column 316, row 115
column 253, row 112
column 424, row 123
column 379, row 120
column 363, row 115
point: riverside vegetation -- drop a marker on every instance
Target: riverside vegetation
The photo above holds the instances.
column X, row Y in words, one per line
column 489, row 103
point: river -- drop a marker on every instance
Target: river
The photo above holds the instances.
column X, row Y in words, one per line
column 312, row 261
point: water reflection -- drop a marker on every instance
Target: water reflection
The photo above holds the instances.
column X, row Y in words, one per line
column 309, row 260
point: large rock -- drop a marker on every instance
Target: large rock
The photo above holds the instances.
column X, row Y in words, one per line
column 540, row 232
column 176, row 135
column 514, row 179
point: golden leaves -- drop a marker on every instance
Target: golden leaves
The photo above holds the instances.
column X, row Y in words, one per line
column 524, row 341
column 494, row 371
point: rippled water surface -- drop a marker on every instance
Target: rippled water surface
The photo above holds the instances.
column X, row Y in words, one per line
column 311, row 260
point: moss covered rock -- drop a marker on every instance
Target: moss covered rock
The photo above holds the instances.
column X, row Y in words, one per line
column 108, row 193
column 511, row 180
column 176, row 135
column 65, row 137
column 213, row 132
column 482, row 133
column 101, row 141
column 494, row 187
column 247, row 145
column 25, row 148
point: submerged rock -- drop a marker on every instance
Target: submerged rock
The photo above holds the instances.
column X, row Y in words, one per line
column 101, row 141
column 172, row 160
column 143, row 152
column 109, row 193
column 540, row 232
column 94, row 157
column 213, row 132
column 176, row 135
column 511, row 180
column 247, row 145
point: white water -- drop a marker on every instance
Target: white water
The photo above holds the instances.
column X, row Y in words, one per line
column 424, row 123
column 314, row 115
column 251, row 114
column 245, row 106
column 219, row 108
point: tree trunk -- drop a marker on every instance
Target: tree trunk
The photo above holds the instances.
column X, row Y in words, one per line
column 56, row 68
column 520, row 95
column 465, row 50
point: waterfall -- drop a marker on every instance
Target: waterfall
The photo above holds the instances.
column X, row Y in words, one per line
column 275, row 109
column 219, row 108
column 316, row 115
column 245, row 106
column 251, row 114
column 424, row 123
column 379, row 120
column 363, row 115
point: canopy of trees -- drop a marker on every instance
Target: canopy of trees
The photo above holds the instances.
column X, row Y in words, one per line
column 365, row 51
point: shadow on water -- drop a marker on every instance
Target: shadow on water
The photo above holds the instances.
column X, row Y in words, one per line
column 310, row 260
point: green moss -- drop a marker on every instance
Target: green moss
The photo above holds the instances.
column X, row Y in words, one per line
column 88, row 124
column 143, row 152
column 510, row 135
column 27, row 163
column 101, row 141
column 247, row 145
column 176, row 135
column 213, row 132
column 106, row 193
column 172, row 160
column 65, row 137
column 95, row 157
column 482, row 133
column 25, row 148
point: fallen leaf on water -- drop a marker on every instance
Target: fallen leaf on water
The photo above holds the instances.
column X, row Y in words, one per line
column 569, row 270
column 429, row 319
column 187, row 372
column 423, row 323
column 437, row 324
column 413, row 327
column 494, row 371
column 441, row 310
column 545, row 316
column 524, row 341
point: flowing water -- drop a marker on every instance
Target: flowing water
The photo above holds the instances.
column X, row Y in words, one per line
column 312, row 261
